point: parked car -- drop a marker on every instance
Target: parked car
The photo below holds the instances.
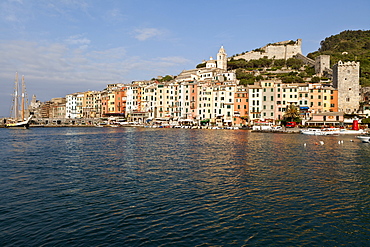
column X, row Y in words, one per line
column 291, row 125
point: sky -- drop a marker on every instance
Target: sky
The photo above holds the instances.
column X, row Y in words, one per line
column 68, row 46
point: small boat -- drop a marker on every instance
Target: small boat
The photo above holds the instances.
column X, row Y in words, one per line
column 321, row 132
column 364, row 138
column 351, row 132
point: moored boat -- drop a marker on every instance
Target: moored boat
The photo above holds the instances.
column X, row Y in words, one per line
column 18, row 120
column 364, row 138
column 321, row 132
column 20, row 125
column 351, row 132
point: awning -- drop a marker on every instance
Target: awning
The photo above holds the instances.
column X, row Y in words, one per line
column 185, row 120
column 304, row 108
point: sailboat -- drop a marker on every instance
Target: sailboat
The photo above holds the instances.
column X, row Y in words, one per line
column 18, row 119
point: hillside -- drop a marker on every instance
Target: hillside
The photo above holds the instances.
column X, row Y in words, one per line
column 348, row 46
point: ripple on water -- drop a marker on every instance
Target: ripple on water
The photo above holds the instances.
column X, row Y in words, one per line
column 146, row 187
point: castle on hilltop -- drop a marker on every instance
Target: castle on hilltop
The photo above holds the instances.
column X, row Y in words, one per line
column 280, row 50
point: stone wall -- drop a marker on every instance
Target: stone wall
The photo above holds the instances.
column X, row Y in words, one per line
column 281, row 50
column 322, row 63
column 346, row 78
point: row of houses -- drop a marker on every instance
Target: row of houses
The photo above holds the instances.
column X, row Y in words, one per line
column 221, row 103
column 212, row 94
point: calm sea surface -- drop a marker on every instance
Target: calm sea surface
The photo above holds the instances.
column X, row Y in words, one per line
column 181, row 187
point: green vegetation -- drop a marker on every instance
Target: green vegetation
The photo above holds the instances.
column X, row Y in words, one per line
column 201, row 65
column 348, row 46
column 245, row 70
column 292, row 114
column 263, row 63
column 247, row 78
column 366, row 121
column 294, row 63
column 164, row 79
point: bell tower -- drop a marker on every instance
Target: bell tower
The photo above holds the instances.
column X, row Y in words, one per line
column 222, row 59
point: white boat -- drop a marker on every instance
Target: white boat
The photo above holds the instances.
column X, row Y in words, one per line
column 351, row 132
column 262, row 126
column 20, row 125
column 364, row 138
column 321, row 132
column 18, row 120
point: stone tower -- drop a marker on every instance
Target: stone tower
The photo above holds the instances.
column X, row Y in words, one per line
column 346, row 78
column 322, row 63
column 222, row 59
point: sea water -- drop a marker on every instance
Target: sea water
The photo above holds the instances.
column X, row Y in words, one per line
column 182, row 187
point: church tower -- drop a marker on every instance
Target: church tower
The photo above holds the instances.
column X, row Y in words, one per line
column 346, row 78
column 222, row 59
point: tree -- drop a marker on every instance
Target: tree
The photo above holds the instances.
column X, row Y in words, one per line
column 366, row 121
column 166, row 78
column 315, row 79
column 292, row 79
column 201, row 65
column 292, row 114
column 294, row 63
column 279, row 62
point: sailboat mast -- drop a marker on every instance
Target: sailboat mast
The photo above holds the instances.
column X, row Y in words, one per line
column 16, row 107
column 23, row 96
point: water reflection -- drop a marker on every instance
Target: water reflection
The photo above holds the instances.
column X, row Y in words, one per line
column 181, row 187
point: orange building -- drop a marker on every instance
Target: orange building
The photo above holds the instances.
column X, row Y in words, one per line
column 193, row 98
column 241, row 106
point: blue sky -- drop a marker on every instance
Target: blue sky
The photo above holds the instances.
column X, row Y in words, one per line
column 66, row 46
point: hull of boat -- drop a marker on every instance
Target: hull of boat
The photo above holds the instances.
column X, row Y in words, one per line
column 19, row 125
column 365, row 139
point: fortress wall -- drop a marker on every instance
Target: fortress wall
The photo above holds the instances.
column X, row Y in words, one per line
column 280, row 50
column 346, row 78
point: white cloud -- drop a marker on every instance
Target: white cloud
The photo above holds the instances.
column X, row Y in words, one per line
column 114, row 15
column 78, row 40
column 147, row 33
column 13, row 11
column 53, row 70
